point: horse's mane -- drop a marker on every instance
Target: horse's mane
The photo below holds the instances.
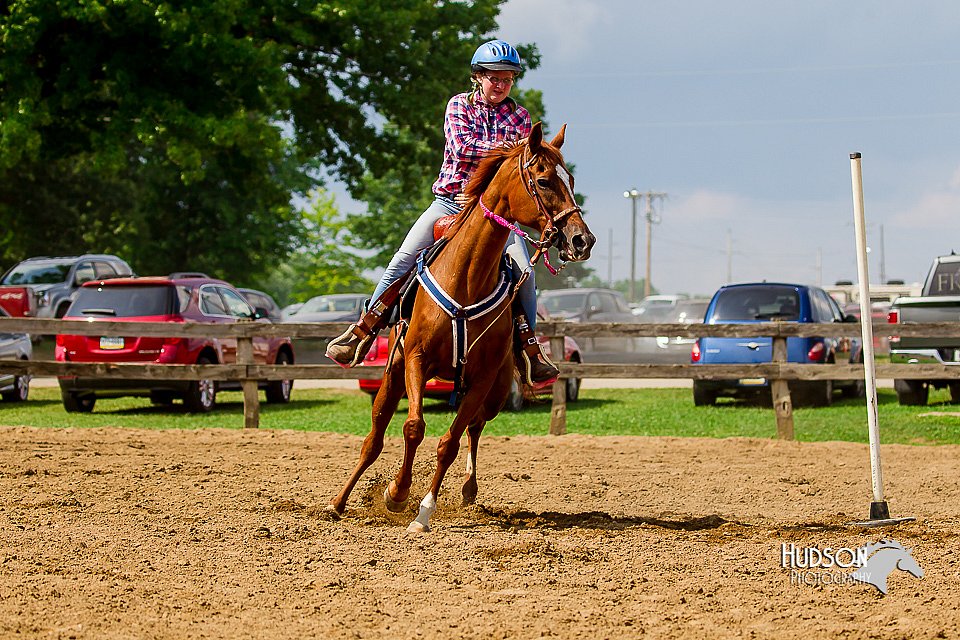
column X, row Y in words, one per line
column 483, row 176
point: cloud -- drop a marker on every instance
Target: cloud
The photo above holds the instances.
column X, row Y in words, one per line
column 704, row 204
column 937, row 209
column 561, row 28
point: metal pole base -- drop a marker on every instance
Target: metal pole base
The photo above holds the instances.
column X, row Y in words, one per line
column 879, row 511
column 880, row 517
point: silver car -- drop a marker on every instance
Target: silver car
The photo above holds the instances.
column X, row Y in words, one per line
column 14, row 346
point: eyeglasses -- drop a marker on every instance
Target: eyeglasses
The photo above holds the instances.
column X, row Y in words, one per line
column 500, row 82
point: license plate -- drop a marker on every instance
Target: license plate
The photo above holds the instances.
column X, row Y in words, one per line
column 750, row 382
column 110, row 342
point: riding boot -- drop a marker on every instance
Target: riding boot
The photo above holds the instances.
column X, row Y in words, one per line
column 350, row 347
column 536, row 368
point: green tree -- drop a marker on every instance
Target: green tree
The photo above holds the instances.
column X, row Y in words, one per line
column 176, row 134
column 322, row 262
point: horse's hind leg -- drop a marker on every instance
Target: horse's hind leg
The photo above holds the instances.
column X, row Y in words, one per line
column 470, row 489
column 384, row 406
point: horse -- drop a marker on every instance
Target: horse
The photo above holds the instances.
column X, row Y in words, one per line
column 528, row 184
column 883, row 558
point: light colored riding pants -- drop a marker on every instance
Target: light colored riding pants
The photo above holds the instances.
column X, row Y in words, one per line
column 420, row 237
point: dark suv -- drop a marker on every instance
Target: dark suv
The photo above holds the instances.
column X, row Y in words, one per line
column 54, row 282
column 180, row 298
column 765, row 302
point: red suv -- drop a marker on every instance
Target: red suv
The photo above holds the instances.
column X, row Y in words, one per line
column 177, row 298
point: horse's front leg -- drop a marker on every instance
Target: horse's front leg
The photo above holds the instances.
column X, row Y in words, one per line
column 471, row 411
column 492, row 406
column 384, row 406
column 397, row 493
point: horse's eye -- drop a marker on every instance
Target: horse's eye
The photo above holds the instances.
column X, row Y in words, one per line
column 543, row 182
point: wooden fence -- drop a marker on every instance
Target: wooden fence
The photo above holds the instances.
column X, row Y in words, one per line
column 779, row 372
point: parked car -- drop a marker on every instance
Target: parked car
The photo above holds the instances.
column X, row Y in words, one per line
column 439, row 388
column 878, row 313
column 335, row 307
column 263, row 303
column 763, row 302
column 939, row 301
column 44, row 287
column 290, row 310
column 657, row 308
column 676, row 349
column 597, row 305
column 162, row 299
column 14, row 346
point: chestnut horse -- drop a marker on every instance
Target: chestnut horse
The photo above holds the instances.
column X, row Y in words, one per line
column 527, row 184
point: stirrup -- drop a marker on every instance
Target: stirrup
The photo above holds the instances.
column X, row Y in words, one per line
column 536, row 368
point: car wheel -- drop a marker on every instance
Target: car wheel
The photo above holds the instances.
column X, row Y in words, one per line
column 702, row 396
column 20, row 391
column 515, row 398
column 74, row 403
column 279, row 390
column 573, row 389
column 163, row 398
column 201, row 395
column 911, row 392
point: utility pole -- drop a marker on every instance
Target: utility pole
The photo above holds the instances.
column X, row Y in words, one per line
column 633, row 194
column 610, row 261
column 651, row 195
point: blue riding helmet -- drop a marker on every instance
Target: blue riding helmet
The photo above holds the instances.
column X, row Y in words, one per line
column 496, row 55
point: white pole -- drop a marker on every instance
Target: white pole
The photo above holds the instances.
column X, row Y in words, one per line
column 878, row 508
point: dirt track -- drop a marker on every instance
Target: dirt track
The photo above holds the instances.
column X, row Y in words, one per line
column 124, row 533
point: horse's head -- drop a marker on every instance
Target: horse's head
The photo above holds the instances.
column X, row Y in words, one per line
column 549, row 184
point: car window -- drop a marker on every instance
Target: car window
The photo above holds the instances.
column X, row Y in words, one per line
column 104, row 270
column 564, row 303
column 946, row 280
column 123, row 302
column 822, row 311
column 39, row 272
column 84, row 273
column 236, row 305
column 184, row 294
column 622, row 305
column 757, row 303
column 211, row 304
column 607, row 303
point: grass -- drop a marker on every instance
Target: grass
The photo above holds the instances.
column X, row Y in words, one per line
column 640, row 412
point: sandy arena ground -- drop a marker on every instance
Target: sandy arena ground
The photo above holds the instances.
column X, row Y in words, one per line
column 126, row 533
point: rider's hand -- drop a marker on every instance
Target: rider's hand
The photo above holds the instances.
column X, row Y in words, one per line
column 461, row 199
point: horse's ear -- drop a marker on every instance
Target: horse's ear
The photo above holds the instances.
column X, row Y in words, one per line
column 535, row 141
column 558, row 139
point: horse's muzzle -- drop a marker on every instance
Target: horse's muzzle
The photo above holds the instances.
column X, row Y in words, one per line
column 576, row 244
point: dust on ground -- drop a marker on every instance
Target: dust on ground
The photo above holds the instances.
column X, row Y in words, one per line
column 127, row 533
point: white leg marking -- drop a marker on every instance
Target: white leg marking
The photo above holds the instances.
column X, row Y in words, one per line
column 470, row 468
column 422, row 523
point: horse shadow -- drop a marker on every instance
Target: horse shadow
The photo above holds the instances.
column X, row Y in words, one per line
column 594, row 520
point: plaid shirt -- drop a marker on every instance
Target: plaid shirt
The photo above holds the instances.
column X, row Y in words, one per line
column 471, row 131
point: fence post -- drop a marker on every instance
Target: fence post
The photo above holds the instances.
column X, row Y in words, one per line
column 782, row 403
column 558, row 412
column 251, row 397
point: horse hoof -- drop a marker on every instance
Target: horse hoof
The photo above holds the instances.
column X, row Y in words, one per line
column 331, row 513
column 415, row 528
column 393, row 506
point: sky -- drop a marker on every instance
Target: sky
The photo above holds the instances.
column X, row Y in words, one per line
column 745, row 114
